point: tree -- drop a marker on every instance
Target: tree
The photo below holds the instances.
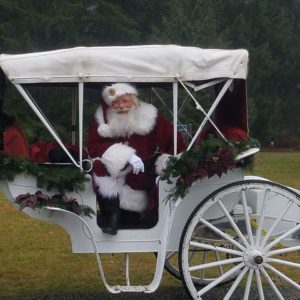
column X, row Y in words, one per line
column 269, row 29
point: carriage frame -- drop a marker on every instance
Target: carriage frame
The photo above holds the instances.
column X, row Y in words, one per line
column 212, row 202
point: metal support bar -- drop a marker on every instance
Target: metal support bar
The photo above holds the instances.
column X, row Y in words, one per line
column 80, row 121
column 127, row 269
column 207, row 115
column 175, row 111
column 167, row 220
column 111, row 289
column 74, row 118
column 45, row 122
column 205, row 85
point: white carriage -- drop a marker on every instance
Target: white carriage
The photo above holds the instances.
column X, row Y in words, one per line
column 226, row 229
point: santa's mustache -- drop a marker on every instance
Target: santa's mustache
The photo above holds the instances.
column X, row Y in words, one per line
column 123, row 109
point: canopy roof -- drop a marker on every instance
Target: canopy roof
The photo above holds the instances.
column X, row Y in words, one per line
column 152, row 63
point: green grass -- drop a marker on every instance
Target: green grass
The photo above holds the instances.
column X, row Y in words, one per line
column 36, row 258
column 282, row 167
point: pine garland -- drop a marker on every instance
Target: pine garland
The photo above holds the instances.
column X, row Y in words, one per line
column 62, row 178
column 212, row 157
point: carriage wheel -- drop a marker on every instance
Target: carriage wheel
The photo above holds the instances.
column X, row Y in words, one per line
column 258, row 221
column 201, row 278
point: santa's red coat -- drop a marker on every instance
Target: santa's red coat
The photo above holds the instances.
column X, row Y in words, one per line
column 152, row 136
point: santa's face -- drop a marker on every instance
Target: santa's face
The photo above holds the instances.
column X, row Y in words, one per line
column 123, row 104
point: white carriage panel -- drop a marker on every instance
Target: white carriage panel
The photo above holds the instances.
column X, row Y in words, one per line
column 5, row 190
column 23, row 184
column 132, row 240
column 197, row 193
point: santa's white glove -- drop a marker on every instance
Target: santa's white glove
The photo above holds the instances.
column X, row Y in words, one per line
column 137, row 164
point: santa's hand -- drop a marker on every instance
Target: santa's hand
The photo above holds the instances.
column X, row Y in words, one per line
column 137, row 164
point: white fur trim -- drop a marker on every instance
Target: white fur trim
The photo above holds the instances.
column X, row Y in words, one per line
column 109, row 187
column 161, row 163
column 111, row 93
column 133, row 200
column 99, row 116
column 104, row 130
column 116, row 157
column 146, row 115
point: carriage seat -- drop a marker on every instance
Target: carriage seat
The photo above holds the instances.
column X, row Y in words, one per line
column 15, row 142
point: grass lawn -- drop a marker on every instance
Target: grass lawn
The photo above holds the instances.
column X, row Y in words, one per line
column 282, row 167
column 36, row 258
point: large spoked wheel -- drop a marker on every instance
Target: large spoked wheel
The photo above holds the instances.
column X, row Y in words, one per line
column 201, row 278
column 249, row 231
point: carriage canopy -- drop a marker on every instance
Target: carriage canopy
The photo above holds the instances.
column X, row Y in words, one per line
column 151, row 63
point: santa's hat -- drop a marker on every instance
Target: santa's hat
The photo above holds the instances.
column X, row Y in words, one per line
column 111, row 93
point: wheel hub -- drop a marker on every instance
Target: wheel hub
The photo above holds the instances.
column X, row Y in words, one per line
column 254, row 258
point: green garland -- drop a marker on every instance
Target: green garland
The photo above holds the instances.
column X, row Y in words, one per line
column 212, row 157
column 62, row 178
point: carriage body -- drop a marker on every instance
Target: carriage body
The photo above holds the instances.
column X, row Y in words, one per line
column 143, row 240
column 192, row 70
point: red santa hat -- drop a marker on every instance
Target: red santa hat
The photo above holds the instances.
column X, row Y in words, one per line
column 111, row 93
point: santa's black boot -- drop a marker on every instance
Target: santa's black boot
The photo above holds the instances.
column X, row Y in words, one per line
column 110, row 214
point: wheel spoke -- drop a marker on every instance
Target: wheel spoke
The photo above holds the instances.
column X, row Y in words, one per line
column 277, row 240
column 259, row 285
column 218, row 259
column 233, row 224
column 267, row 236
column 215, row 264
column 247, row 219
column 236, row 283
column 283, row 251
column 283, row 262
column 216, row 248
column 222, row 234
column 248, row 284
column 271, row 283
column 284, row 277
column 253, row 249
column 171, row 254
column 191, row 255
column 261, row 219
column 220, row 279
column 202, row 272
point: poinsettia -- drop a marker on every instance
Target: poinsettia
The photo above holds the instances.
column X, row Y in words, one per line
column 212, row 157
column 39, row 200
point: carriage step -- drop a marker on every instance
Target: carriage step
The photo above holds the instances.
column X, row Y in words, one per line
column 130, row 288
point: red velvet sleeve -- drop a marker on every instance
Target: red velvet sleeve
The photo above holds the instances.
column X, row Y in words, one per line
column 96, row 144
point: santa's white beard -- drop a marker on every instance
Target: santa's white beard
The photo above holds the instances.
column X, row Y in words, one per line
column 122, row 123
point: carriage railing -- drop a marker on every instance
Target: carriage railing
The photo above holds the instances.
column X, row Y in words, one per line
column 209, row 113
column 169, row 110
column 33, row 105
column 199, row 107
column 176, row 112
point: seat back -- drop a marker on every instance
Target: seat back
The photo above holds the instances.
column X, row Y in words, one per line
column 15, row 142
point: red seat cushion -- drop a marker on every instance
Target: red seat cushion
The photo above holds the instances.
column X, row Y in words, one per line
column 15, row 143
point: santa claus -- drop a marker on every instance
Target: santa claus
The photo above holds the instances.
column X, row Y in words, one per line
column 129, row 142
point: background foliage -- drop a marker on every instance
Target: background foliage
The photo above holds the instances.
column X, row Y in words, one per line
column 269, row 29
